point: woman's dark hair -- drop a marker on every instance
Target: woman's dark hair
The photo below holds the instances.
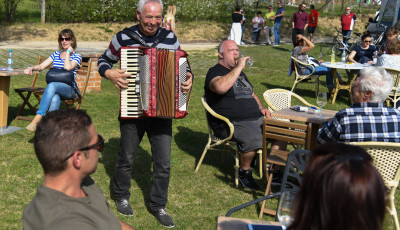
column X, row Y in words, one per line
column 237, row 8
column 394, row 46
column 298, row 40
column 392, row 31
column 341, row 189
column 365, row 35
column 69, row 34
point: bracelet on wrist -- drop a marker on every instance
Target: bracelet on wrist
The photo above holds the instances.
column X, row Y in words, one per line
column 69, row 51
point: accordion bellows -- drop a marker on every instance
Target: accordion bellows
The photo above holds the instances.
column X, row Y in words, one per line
column 154, row 88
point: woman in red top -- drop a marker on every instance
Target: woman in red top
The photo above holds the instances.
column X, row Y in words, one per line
column 312, row 21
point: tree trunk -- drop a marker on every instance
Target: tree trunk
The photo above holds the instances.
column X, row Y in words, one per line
column 342, row 8
column 10, row 7
column 43, row 12
column 333, row 7
column 325, row 7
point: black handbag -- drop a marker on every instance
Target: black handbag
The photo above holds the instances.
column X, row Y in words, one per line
column 60, row 75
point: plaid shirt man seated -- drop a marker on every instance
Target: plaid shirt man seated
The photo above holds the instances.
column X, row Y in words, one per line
column 367, row 119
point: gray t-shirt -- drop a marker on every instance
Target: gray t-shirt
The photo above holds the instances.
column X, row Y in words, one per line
column 51, row 209
column 303, row 57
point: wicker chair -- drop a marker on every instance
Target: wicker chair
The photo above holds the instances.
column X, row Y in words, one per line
column 278, row 99
column 227, row 143
column 394, row 95
column 302, row 78
column 386, row 158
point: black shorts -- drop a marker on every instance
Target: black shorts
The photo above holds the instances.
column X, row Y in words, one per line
column 311, row 29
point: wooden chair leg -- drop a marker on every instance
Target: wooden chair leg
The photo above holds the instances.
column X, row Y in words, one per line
column 260, row 163
column 22, row 107
column 335, row 93
column 267, row 192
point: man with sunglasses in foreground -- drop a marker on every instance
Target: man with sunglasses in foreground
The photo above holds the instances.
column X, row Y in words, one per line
column 67, row 145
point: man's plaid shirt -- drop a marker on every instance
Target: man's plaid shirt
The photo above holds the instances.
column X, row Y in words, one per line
column 362, row 122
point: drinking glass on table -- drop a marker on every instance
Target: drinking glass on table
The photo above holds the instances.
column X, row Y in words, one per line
column 249, row 61
column 284, row 211
column 321, row 101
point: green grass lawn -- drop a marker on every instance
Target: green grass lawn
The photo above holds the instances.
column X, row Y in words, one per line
column 195, row 199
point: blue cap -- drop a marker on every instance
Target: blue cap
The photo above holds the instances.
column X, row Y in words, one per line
column 10, row 50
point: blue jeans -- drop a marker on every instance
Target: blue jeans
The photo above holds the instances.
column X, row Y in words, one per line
column 159, row 132
column 276, row 33
column 322, row 70
column 256, row 35
column 54, row 92
column 346, row 33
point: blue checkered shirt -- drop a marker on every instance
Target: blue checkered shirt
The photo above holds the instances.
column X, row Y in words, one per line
column 362, row 122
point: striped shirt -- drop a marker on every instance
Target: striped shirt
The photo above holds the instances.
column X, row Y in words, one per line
column 113, row 53
column 362, row 122
column 58, row 62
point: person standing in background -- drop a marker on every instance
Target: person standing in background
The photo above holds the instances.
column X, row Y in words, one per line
column 169, row 18
column 348, row 20
column 299, row 22
column 243, row 21
column 269, row 24
column 236, row 30
column 277, row 22
column 312, row 21
column 258, row 22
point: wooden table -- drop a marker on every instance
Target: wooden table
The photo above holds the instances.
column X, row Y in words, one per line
column 5, row 76
column 309, row 118
column 230, row 223
column 352, row 75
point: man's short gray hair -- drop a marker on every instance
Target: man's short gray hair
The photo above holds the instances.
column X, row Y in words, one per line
column 378, row 81
column 141, row 4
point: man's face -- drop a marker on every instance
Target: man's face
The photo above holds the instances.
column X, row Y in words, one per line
column 150, row 18
column 302, row 7
column 279, row 4
column 348, row 10
column 228, row 57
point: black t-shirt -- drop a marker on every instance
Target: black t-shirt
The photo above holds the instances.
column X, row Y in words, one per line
column 360, row 52
column 236, row 17
column 237, row 104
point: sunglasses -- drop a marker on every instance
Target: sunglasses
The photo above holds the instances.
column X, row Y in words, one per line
column 347, row 9
column 369, row 41
column 99, row 145
column 65, row 39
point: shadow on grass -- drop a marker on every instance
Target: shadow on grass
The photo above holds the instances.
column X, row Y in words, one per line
column 141, row 167
column 281, row 49
column 184, row 139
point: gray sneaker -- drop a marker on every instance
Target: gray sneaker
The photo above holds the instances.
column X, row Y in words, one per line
column 124, row 207
column 164, row 219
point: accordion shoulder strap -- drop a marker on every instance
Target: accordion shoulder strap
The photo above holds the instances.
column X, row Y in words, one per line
column 160, row 37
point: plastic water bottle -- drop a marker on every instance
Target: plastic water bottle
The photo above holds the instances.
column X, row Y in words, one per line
column 333, row 56
column 10, row 60
column 344, row 57
column 375, row 57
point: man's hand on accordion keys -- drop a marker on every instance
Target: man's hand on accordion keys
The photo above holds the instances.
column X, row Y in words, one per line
column 117, row 76
column 187, row 85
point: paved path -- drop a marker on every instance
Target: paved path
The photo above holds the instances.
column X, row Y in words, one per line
column 102, row 45
column 88, row 46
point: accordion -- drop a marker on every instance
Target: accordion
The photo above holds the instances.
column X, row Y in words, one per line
column 154, row 88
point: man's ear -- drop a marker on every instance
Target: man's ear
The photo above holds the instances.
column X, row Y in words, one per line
column 77, row 159
column 368, row 95
column 220, row 55
column 138, row 15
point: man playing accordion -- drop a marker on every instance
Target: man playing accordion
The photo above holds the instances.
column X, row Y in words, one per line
column 159, row 130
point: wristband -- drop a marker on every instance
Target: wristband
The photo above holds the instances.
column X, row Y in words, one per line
column 69, row 51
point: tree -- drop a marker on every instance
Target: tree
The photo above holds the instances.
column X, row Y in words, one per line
column 10, row 6
column 43, row 12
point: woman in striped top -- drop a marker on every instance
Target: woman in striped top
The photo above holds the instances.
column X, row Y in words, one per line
column 66, row 58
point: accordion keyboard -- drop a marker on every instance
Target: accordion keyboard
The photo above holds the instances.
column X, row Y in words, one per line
column 130, row 97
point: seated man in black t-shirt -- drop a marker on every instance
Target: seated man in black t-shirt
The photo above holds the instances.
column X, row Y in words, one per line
column 229, row 93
